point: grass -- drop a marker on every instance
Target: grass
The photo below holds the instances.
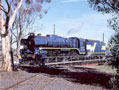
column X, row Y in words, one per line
column 104, row 68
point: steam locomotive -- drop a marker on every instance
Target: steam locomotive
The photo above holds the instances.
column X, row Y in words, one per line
column 36, row 48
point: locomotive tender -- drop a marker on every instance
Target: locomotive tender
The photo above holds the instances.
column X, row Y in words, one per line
column 36, row 48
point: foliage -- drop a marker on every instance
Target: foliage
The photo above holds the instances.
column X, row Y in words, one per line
column 29, row 12
column 114, row 48
column 108, row 7
column 114, row 22
column 111, row 7
column 105, row 6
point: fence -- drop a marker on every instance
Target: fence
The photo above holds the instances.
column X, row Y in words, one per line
column 70, row 60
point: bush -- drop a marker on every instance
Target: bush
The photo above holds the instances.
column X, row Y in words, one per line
column 114, row 49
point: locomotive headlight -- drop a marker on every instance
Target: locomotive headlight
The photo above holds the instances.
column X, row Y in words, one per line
column 40, row 48
column 21, row 47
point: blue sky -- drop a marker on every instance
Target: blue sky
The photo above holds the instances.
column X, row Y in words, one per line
column 74, row 18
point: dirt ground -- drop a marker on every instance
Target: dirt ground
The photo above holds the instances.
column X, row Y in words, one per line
column 59, row 78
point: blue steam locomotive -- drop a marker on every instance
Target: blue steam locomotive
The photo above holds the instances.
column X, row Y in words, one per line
column 36, row 47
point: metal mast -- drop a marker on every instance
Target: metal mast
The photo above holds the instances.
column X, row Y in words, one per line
column 54, row 29
column 103, row 37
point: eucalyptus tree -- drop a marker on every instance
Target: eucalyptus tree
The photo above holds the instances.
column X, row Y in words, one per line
column 114, row 48
column 108, row 7
column 9, row 10
column 25, row 20
column 111, row 7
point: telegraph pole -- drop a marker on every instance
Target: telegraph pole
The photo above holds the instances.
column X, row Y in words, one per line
column 54, row 29
column 103, row 37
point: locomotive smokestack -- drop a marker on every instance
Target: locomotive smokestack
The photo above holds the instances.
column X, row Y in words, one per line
column 39, row 34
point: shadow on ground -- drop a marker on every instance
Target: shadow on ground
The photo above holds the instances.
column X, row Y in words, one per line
column 78, row 75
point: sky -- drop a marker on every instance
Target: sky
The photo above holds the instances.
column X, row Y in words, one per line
column 74, row 18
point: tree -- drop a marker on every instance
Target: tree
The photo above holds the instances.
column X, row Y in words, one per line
column 110, row 7
column 25, row 20
column 5, row 33
column 7, row 21
column 114, row 48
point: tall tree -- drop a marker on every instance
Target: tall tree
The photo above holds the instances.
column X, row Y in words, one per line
column 110, row 7
column 25, row 19
column 5, row 33
column 114, row 48
column 7, row 20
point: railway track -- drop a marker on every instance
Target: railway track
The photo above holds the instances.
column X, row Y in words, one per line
column 64, row 61
column 52, row 80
